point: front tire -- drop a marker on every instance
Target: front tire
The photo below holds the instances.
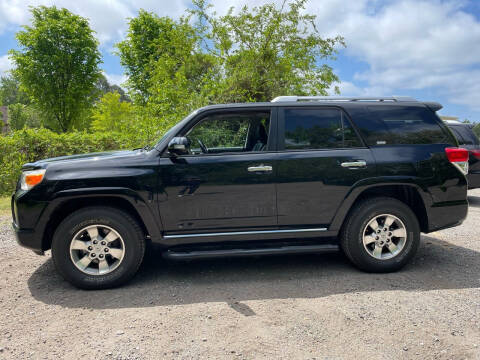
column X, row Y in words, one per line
column 381, row 235
column 98, row 248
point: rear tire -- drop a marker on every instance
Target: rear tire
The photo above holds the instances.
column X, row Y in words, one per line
column 380, row 235
column 98, row 248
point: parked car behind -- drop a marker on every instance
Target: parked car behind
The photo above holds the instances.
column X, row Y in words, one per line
column 468, row 140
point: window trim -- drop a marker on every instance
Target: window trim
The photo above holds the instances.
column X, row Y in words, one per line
column 343, row 115
column 272, row 131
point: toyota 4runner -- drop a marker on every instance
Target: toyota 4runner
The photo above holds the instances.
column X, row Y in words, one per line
column 295, row 175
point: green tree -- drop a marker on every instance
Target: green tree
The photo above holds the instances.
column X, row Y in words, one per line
column 267, row 51
column 20, row 116
column 112, row 114
column 10, row 92
column 57, row 64
column 103, row 86
column 154, row 42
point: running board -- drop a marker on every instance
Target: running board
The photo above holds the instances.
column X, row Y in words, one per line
column 200, row 254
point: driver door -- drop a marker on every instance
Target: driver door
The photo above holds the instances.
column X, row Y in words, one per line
column 227, row 181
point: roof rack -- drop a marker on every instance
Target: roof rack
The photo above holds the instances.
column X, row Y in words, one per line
column 342, row 98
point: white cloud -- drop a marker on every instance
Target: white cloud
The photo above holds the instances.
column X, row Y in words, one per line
column 409, row 45
column 107, row 17
column 5, row 64
column 116, row 79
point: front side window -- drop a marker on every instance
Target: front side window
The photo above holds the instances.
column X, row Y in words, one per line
column 230, row 132
column 318, row 129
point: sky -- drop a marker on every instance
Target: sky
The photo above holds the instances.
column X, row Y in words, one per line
column 428, row 49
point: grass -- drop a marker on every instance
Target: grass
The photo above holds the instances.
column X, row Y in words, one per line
column 4, row 205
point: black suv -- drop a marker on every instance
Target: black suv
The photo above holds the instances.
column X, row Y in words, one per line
column 295, row 175
column 468, row 140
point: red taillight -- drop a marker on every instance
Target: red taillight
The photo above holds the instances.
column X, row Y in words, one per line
column 475, row 153
column 455, row 155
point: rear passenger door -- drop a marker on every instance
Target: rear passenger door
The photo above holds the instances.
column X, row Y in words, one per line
column 320, row 158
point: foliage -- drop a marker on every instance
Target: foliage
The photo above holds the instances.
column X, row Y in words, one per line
column 255, row 55
column 29, row 145
column 57, row 64
column 10, row 92
column 148, row 39
column 476, row 130
column 110, row 113
column 20, row 115
column 267, row 51
column 103, row 86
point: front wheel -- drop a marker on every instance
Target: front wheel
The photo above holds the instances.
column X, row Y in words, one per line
column 98, row 248
column 380, row 235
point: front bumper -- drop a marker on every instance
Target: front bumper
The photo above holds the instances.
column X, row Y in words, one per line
column 28, row 239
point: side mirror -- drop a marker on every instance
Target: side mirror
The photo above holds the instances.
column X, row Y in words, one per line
column 179, row 146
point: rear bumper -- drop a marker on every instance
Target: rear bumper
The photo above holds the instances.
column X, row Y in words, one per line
column 28, row 239
column 447, row 214
column 473, row 180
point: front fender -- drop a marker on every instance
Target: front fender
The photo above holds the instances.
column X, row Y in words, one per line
column 145, row 209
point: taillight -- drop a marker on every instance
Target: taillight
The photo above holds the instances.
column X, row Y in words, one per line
column 475, row 153
column 459, row 158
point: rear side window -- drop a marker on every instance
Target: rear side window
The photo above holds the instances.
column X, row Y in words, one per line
column 318, row 129
column 387, row 125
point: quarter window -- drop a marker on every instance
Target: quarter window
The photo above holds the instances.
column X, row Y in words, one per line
column 318, row 129
column 395, row 124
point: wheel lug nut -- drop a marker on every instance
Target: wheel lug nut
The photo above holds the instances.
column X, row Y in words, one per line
column 90, row 248
column 103, row 243
column 93, row 255
column 106, row 249
column 389, row 234
column 100, row 256
column 376, row 238
column 95, row 241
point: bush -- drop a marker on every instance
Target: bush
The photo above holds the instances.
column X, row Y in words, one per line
column 30, row 145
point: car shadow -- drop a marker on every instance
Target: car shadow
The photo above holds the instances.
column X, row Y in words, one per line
column 474, row 201
column 438, row 265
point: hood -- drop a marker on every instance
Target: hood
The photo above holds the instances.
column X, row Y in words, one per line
column 99, row 156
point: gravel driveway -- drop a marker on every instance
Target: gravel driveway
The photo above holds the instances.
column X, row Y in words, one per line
column 303, row 307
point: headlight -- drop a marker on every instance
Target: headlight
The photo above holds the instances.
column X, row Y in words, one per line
column 31, row 178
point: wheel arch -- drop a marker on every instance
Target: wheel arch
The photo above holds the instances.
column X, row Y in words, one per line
column 409, row 194
column 65, row 206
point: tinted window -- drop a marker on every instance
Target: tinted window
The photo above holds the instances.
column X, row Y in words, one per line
column 318, row 129
column 385, row 125
column 464, row 135
column 230, row 132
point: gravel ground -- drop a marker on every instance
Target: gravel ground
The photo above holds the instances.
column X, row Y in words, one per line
column 302, row 307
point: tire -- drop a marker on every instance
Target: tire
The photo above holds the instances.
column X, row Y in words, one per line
column 380, row 252
column 122, row 254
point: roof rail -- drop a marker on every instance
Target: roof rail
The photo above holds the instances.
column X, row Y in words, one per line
column 342, row 98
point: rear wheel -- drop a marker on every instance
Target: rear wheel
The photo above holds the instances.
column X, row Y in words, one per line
column 98, row 247
column 380, row 235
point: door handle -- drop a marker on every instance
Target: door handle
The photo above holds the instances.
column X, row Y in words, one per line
column 354, row 164
column 260, row 168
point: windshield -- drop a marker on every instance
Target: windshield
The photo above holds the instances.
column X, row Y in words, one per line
column 174, row 129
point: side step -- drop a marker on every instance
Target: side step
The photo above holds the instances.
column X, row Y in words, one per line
column 203, row 254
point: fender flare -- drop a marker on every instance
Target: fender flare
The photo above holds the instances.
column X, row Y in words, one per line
column 146, row 210
column 366, row 184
